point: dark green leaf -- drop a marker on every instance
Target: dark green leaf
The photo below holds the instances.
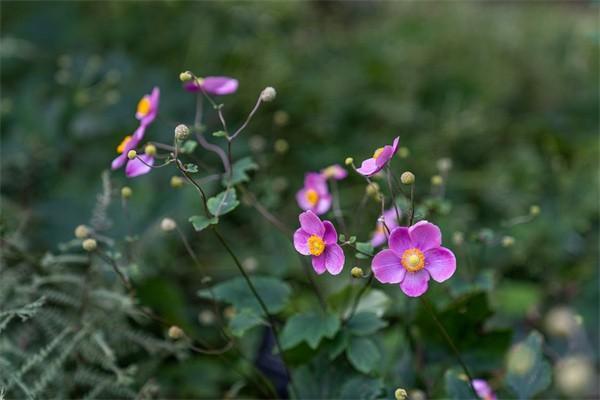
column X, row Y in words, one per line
column 363, row 354
column 528, row 372
column 200, row 222
column 365, row 323
column 364, row 249
column 361, row 387
column 240, row 171
column 223, row 203
column 245, row 320
column 310, row 327
column 339, row 344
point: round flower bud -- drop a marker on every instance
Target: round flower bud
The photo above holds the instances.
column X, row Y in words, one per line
column 437, row 180
column 574, row 376
column 520, row 359
column 356, row 272
column 403, row 152
column 372, row 189
column 131, row 154
column 150, row 149
column 407, row 178
column 281, row 146
column 167, row 224
column 560, row 321
column 176, row 181
column 508, row 241
column 268, row 94
column 126, row 192
column 348, row 160
column 400, row 394
column 89, row 244
column 185, row 76
column 82, row 231
column 534, row 210
column 182, row 132
column 175, row 332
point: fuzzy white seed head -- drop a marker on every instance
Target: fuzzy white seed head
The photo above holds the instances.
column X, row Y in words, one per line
column 168, row 224
column 182, row 132
column 268, row 94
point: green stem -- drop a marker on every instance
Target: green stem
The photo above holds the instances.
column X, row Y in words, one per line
column 358, row 297
column 412, row 204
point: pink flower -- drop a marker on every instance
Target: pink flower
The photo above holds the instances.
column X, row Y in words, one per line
column 380, row 158
column 483, row 389
column 129, row 142
column 314, row 195
column 319, row 239
column 414, row 255
column 147, row 107
column 391, row 221
column 334, row 171
column 216, row 85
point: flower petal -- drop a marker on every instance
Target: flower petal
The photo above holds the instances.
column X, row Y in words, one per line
column 303, row 202
column 136, row 167
column 399, row 240
column 300, row 241
column 318, row 263
column 378, row 239
column 385, row 156
column 334, row 259
column 324, row 204
column 330, row 236
column 440, row 263
column 137, row 136
column 317, row 182
column 311, row 223
column 425, row 235
column 219, row 85
column 395, row 145
column 415, row 283
column 387, row 267
column 119, row 161
column 368, row 167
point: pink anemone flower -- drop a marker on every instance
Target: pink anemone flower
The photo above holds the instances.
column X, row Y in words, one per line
column 483, row 389
column 215, row 85
column 314, row 195
column 414, row 255
column 147, row 107
column 334, row 171
column 381, row 157
column 391, row 221
column 134, row 167
column 319, row 239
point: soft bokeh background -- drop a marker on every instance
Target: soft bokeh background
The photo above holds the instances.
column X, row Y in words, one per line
column 508, row 92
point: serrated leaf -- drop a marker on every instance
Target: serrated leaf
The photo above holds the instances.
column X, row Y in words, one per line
column 528, row 372
column 365, row 323
column 223, row 203
column 244, row 320
column 200, row 222
column 240, row 171
column 309, row 327
column 188, row 147
column 363, row 354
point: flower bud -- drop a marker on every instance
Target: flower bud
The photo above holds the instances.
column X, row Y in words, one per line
column 185, row 76
column 437, row 180
column 520, row 359
column 89, row 244
column 176, row 182
column 167, row 224
column 131, row 154
column 82, row 231
column 574, row 376
column 182, row 132
column 268, row 94
column 150, row 150
column 126, row 192
column 407, row 178
column 356, row 272
column 403, row 152
column 400, row 394
column 372, row 189
column 281, row 146
column 508, row 241
column 348, row 160
column 175, row 332
column 560, row 321
column 534, row 210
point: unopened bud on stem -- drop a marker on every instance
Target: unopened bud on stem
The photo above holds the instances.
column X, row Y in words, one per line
column 268, row 94
column 150, row 150
column 185, row 76
column 82, row 231
column 175, row 332
column 407, row 178
column 182, row 132
column 357, row 272
column 349, row 160
column 126, row 192
column 89, row 244
column 167, row 224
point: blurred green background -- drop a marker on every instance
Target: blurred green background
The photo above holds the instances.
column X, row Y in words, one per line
column 508, row 92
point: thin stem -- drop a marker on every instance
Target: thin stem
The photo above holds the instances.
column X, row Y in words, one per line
column 187, row 246
column 337, row 211
column 392, row 193
column 200, row 137
column 169, row 161
column 193, row 182
column 412, row 204
column 241, row 128
column 429, row 308
column 358, row 297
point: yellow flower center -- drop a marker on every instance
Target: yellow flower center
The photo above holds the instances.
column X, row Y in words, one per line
column 378, row 153
column 121, row 147
column 143, row 107
column 413, row 260
column 329, row 172
column 312, row 196
column 316, row 245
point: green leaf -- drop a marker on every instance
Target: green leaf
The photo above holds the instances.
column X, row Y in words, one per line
column 361, row 387
column 191, row 168
column 219, row 134
column 244, row 320
column 364, row 247
column 457, row 385
column 528, row 372
column 188, row 147
column 223, row 203
column 363, row 354
column 310, row 327
column 200, row 222
column 365, row 323
column 375, row 301
column 240, row 171
column 274, row 292
column 339, row 344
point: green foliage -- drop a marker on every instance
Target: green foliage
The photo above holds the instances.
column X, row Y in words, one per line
column 363, row 354
column 240, row 170
column 457, row 385
column 365, row 323
column 528, row 372
column 223, row 203
column 200, row 222
column 309, row 327
column 188, row 147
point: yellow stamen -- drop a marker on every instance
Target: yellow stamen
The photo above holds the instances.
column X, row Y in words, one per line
column 316, row 245
column 121, row 147
column 413, row 260
column 143, row 107
column 378, row 153
column 312, row 196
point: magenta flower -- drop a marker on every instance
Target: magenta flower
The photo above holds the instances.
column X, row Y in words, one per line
column 391, row 221
column 139, row 166
column 319, row 239
column 380, row 158
column 483, row 389
column 147, row 107
column 216, row 85
column 314, row 195
column 414, row 255
column 334, row 171
column 129, row 142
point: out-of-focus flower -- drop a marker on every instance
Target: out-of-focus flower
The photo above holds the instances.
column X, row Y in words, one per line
column 128, row 143
column 215, row 85
column 334, row 171
column 139, row 166
column 319, row 239
column 147, row 107
column 391, row 221
column 168, row 224
column 560, row 321
column 483, row 389
column 534, row 210
column 381, row 156
column 314, row 195
column 414, row 255
column 574, row 376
